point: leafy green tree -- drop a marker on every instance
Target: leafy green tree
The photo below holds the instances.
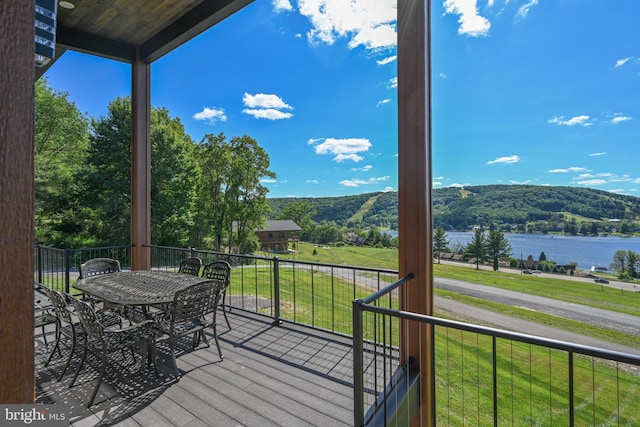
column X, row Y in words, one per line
column 440, row 242
column 497, row 246
column 107, row 180
column 61, row 138
column 301, row 213
column 235, row 201
column 476, row 248
column 542, row 257
column 633, row 260
column 619, row 263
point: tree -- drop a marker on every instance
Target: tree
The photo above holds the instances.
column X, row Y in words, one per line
column 235, row 200
column 440, row 242
column 633, row 260
column 619, row 263
column 301, row 213
column 107, row 180
column 61, row 138
column 497, row 246
column 542, row 257
column 476, row 248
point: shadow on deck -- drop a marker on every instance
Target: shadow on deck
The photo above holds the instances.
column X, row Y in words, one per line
column 270, row 376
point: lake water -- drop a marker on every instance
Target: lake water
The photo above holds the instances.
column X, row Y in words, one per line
column 586, row 251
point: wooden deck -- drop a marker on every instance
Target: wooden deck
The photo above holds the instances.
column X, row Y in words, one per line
column 271, row 376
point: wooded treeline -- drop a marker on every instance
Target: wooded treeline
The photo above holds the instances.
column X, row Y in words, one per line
column 205, row 194
column 509, row 208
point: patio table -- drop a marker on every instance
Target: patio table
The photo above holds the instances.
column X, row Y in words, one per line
column 136, row 288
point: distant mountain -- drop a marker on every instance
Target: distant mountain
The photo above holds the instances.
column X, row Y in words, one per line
column 525, row 207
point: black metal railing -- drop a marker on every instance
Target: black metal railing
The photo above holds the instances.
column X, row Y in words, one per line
column 483, row 376
column 58, row 268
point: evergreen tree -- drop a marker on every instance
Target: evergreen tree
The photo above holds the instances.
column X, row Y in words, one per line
column 497, row 247
column 476, row 248
column 440, row 242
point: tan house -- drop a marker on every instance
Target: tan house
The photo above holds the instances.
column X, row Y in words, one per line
column 277, row 234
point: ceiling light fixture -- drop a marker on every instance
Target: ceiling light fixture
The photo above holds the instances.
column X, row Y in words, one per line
column 66, row 4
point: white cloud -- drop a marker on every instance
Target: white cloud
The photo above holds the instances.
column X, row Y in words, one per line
column 371, row 24
column 211, row 115
column 620, row 119
column 344, row 149
column 571, row 169
column 263, row 100
column 359, row 182
column 593, row 182
column 282, row 6
column 582, row 120
column 388, row 189
column 386, row 60
column 442, row 75
column 470, row 21
column 312, row 181
column 268, row 180
column 525, row 182
column 267, row 113
column 363, row 169
column 383, row 101
column 602, row 153
column 523, row 11
column 508, row 159
column 266, row 106
column 393, row 82
column 621, row 62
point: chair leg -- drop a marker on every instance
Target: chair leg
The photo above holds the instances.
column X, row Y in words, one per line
column 84, row 356
column 55, row 346
column 173, row 358
column 224, row 308
column 215, row 337
column 103, row 368
column 71, row 350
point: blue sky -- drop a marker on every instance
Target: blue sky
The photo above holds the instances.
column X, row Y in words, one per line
column 542, row 92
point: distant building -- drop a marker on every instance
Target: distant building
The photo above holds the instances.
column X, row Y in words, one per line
column 277, row 234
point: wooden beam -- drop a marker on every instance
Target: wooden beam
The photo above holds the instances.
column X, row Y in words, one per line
column 414, row 191
column 16, row 203
column 140, row 165
column 199, row 19
column 91, row 44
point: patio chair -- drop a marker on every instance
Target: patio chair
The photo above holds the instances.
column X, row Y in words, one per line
column 187, row 317
column 97, row 266
column 190, row 266
column 67, row 325
column 106, row 340
column 220, row 270
column 42, row 310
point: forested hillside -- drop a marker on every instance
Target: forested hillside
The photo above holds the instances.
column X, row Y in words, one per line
column 526, row 208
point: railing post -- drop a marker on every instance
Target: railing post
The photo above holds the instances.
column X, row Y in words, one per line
column 39, row 262
column 358, row 376
column 276, row 291
column 67, row 268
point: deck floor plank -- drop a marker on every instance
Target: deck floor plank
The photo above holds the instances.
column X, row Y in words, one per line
column 271, row 376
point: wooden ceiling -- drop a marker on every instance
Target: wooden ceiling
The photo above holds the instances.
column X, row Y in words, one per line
column 117, row 29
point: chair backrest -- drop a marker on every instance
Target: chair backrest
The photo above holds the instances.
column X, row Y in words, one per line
column 60, row 306
column 195, row 300
column 190, row 266
column 88, row 319
column 98, row 266
column 218, row 270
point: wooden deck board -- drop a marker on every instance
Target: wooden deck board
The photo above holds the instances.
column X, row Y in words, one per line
column 270, row 376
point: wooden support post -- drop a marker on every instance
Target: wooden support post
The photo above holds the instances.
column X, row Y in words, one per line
column 140, row 165
column 414, row 191
column 17, row 379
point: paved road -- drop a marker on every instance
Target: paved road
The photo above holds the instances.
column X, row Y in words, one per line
column 595, row 316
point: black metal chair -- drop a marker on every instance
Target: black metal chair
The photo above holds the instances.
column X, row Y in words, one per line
column 97, row 266
column 42, row 310
column 187, row 317
column 105, row 340
column 69, row 326
column 220, row 270
column 190, row 266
